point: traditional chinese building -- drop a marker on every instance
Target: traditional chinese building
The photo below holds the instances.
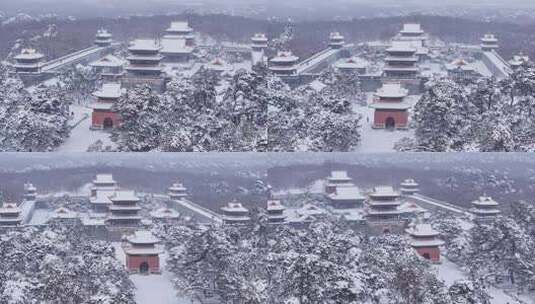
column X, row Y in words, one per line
column 412, row 32
column 409, row 187
column 177, row 191
column 461, row 69
column 235, row 214
column 337, row 179
column 176, row 50
column 485, row 208
column 30, row 192
column 352, row 65
column 518, row 61
column 181, row 30
column 285, row 63
column 218, row 66
column 124, row 210
column 142, row 253
column 28, row 61
column 275, row 212
column 383, row 209
column 103, row 117
column 103, row 38
column 259, row 42
column 109, row 68
column 336, row 40
column 489, row 43
column 103, row 187
column 424, row 239
column 346, row 197
column 10, row 215
column 144, row 64
column 401, row 60
column 65, row 216
column 165, row 215
column 391, row 108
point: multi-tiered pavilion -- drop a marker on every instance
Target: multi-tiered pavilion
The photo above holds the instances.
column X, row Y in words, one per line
column 177, row 191
column 28, row 61
column 336, row 40
column 10, row 214
column 144, row 64
column 284, row 64
column 401, row 60
column 409, row 187
column 275, row 212
column 235, row 214
column 485, row 208
column 383, row 209
column 103, row 187
column 338, row 178
column 124, row 210
column 103, row 38
column 489, row 43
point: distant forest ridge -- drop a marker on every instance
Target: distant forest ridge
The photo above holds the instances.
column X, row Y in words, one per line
column 57, row 37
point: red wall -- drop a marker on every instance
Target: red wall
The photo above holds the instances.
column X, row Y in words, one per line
column 134, row 261
column 99, row 116
column 401, row 118
column 434, row 253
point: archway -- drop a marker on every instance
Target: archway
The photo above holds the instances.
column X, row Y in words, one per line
column 144, row 267
column 390, row 123
column 108, row 123
column 426, row 256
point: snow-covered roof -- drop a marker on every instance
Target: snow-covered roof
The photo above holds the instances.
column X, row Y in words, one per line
column 104, row 179
column 404, row 105
column 401, row 46
column 306, row 213
column 179, row 26
column 234, row 207
column 485, row 201
column 519, row 59
column 144, row 45
column 339, row 175
column 336, row 36
column 412, row 28
column 218, row 65
column 489, row 38
column 386, row 191
column 165, row 213
column 259, row 37
column 352, row 63
column 29, row 187
column 124, row 196
column 347, row 193
column 103, row 33
column 175, row 46
column 109, row 90
column 10, row 208
column 178, row 186
column 274, row 205
column 108, row 61
column 409, row 182
column 29, row 54
column 460, row 64
column 422, row 230
column 284, row 57
column 392, row 90
column 142, row 237
column 64, row 213
column 102, row 197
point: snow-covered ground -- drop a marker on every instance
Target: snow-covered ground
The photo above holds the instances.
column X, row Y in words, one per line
column 450, row 272
column 378, row 140
column 82, row 136
column 153, row 288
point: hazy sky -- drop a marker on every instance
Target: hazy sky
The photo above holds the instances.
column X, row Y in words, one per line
column 105, row 7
